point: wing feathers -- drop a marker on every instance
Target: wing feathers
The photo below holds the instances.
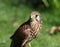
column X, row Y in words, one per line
column 19, row 38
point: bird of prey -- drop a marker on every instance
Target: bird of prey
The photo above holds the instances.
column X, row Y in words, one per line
column 27, row 31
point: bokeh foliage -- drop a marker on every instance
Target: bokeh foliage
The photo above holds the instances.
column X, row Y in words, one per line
column 14, row 12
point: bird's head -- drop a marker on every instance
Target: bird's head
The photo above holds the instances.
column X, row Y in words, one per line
column 35, row 16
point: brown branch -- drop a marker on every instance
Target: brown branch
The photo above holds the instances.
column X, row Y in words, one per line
column 52, row 30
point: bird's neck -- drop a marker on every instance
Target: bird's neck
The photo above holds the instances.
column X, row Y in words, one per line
column 34, row 25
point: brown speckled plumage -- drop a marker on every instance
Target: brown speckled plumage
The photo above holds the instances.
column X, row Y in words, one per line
column 27, row 31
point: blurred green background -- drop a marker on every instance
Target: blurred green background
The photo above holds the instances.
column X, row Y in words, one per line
column 15, row 12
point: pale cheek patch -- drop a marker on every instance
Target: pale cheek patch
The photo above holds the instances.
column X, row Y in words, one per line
column 38, row 18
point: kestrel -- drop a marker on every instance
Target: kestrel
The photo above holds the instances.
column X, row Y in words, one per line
column 27, row 31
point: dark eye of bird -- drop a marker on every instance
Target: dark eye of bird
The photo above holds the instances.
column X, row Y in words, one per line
column 36, row 17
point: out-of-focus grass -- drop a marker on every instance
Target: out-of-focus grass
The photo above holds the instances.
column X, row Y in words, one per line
column 11, row 18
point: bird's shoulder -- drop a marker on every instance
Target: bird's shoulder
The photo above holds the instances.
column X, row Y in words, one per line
column 22, row 29
column 25, row 25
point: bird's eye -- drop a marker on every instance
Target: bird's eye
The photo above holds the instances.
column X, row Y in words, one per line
column 36, row 15
column 37, row 18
